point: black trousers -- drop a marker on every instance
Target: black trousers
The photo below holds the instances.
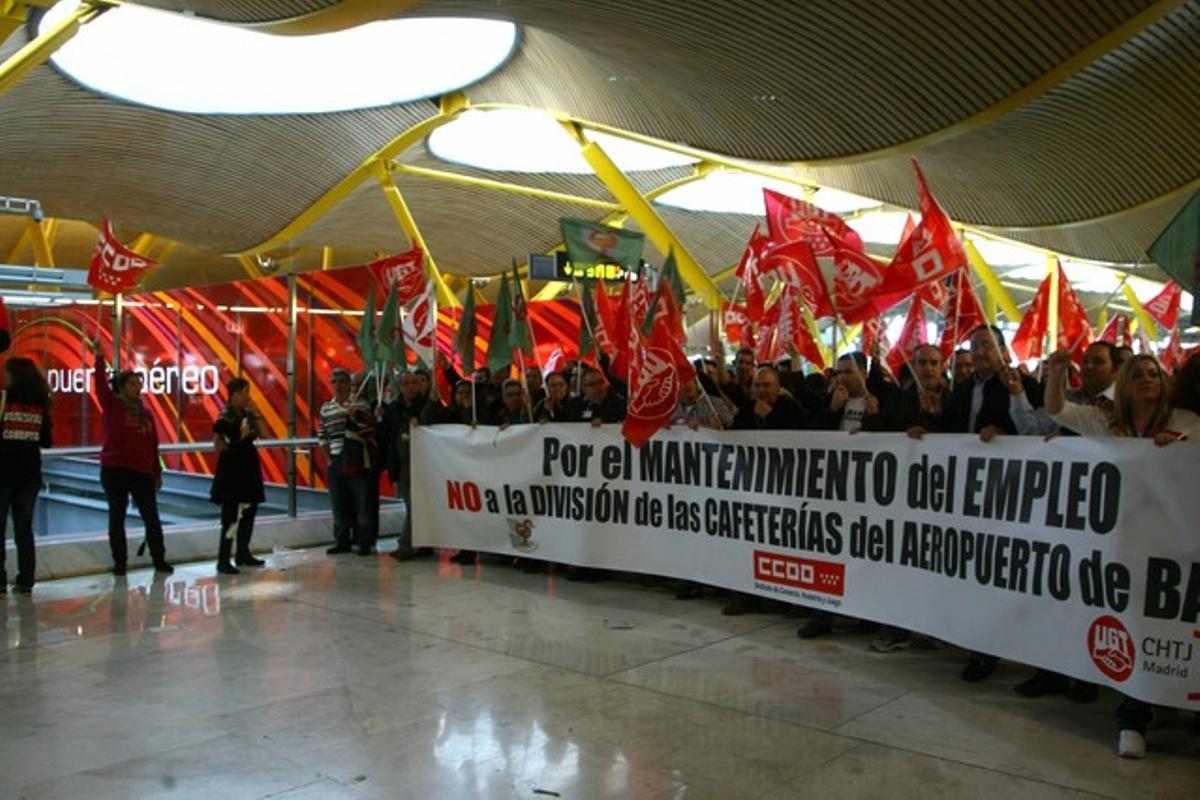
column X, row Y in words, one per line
column 20, row 500
column 245, row 529
column 119, row 485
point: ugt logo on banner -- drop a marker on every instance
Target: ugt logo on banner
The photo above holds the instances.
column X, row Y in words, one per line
column 1111, row 648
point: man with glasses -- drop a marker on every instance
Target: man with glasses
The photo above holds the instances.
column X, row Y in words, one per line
column 599, row 403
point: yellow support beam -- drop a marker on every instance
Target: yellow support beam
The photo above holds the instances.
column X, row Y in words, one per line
column 1052, row 315
column 144, row 243
column 446, row 297
column 500, row 186
column 991, row 307
column 450, row 107
column 253, row 271
column 1139, row 311
column 23, row 241
column 640, row 209
column 992, row 283
column 326, row 258
column 43, row 238
column 35, row 53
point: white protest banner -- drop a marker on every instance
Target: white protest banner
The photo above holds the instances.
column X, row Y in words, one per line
column 1080, row 556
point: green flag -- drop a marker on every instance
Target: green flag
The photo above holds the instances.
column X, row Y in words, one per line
column 522, row 336
column 366, row 330
column 464, row 340
column 390, row 349
column 670, row 275
column 1177, row 251
column 595, row 243
column 500, row 343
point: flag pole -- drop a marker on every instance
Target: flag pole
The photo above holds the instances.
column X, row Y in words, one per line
column 525, row 384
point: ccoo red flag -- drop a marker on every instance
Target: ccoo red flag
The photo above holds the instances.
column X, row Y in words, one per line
column 792, row 220
column 912, row 336
column 1074, row 330
column 930, row 252
column 1164, row 307
column 961, row 313
column 795, row 265
column 856, row 279
column 114, row 267
column 1116, row 332
column 736, row 324
column 659, row 368
column 749, row 273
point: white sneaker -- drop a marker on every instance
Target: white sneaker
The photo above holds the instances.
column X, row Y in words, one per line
column 1131, row 744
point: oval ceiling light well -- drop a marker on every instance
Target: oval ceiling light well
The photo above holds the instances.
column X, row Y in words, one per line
column 520, row 140
column 182, row 63
column 728, row 192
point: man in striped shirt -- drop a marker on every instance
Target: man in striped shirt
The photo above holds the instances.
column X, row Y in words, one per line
column 331, row 431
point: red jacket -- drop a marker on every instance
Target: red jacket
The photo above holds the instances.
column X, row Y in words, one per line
column 128, row 443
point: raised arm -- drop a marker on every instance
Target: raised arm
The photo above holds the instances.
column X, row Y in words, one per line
column 103, row 388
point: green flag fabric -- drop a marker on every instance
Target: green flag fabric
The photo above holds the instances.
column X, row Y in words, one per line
column 500, row 343
column 366, row 330
column 1177, row 251
column 670, row 275
column 464, row 340
column 390, row 349
column 595, row 243
column 522, row 335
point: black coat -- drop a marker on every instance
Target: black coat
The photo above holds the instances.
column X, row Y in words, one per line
column 393, row 435
column 956, row 415
column 610, row 409
column 238, row 478
column 787, row 414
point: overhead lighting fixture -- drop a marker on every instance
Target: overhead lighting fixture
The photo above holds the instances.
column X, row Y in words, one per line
column 184, row 63
column 520, row 140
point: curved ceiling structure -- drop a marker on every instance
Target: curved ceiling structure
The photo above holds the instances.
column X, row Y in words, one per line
column 1066, row 126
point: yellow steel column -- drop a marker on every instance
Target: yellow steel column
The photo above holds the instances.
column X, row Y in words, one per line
column 446, row 297
column 995, row 289
column 640, row 210
column 326, row 258
column 1052, row 316
column 38, row 50
column 43, row 234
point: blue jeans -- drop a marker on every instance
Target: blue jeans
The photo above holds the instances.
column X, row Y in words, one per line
column 350, row 497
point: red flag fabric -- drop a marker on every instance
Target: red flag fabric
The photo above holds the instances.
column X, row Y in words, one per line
column 930, row 252
column 405, row 271
column 874, row 334
column 1074, row 330
column 554, row 363
column 748, row 272
column 1116, row 332
column 1164, row 307
column 807, row 345
column 659, row 369
column 961, row 313
column 1027, row 342
column 764, row 345
column 795, row 329
column 623, row 330
column 792, row 220
column 114, row 267
column 666, row 309
column 912, row 336
column 736, row 324
column 606, row 321
column 856, row 279
column 935, row 293
column 795, row 264
column 1172, row 356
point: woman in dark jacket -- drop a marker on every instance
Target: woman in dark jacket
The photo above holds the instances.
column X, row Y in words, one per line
column 238, row 484
column 24, row 431
column 129, row 464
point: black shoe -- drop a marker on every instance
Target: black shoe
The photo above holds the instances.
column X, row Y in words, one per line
column 1084, row 692
column 976, row 670
column 119, row 570
column 225, row 568
column 249, row 561
column 21, row 588
column 1043, row 682
column 163, row 567
column 689, row 592
column 816, row 626
column 338, row 549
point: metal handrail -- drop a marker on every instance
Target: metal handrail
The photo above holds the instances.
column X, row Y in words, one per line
column 180, row 447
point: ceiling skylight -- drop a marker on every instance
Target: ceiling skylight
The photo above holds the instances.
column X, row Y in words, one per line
column 518, row 140
column 741, row 193
column 181, row 63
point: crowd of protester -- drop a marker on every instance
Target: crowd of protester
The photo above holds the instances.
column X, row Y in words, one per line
column 364, row 437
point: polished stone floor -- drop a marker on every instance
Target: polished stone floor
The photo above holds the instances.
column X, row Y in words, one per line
column 363, row 678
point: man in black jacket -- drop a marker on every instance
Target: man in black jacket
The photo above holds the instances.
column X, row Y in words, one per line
column 598, row 403
column 394, row 435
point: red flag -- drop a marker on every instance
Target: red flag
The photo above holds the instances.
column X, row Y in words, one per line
column 114, row 267
column 930, row 252
column 1116, row 332
column 1172, row 356
column 856, row 279
column 961, row 313
column 795, row 265
column 793, row 220
column 1164, row 308
column 554, row 363
column 606, row 321
column 748, row 273
column 798, row 332
column 874, row 335
column 406, row 271
column 737, row 326
column 659, row 369
column 764, row 346
column 667, row 309
column 912, row 336
column 1027, row 342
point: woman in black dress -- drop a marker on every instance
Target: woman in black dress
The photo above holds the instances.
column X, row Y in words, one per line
column 238, row 484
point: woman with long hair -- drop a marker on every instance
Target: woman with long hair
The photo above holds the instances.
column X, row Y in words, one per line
column 129, row 464
column 1142, row 409
column 237, row 483
column 24, row 431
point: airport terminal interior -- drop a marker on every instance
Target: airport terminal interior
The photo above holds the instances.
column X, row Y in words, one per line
column 599, row 399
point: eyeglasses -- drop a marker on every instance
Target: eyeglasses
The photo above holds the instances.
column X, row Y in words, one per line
column 593, row 384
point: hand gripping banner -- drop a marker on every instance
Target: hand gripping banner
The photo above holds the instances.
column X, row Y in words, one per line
column 1079, row 556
